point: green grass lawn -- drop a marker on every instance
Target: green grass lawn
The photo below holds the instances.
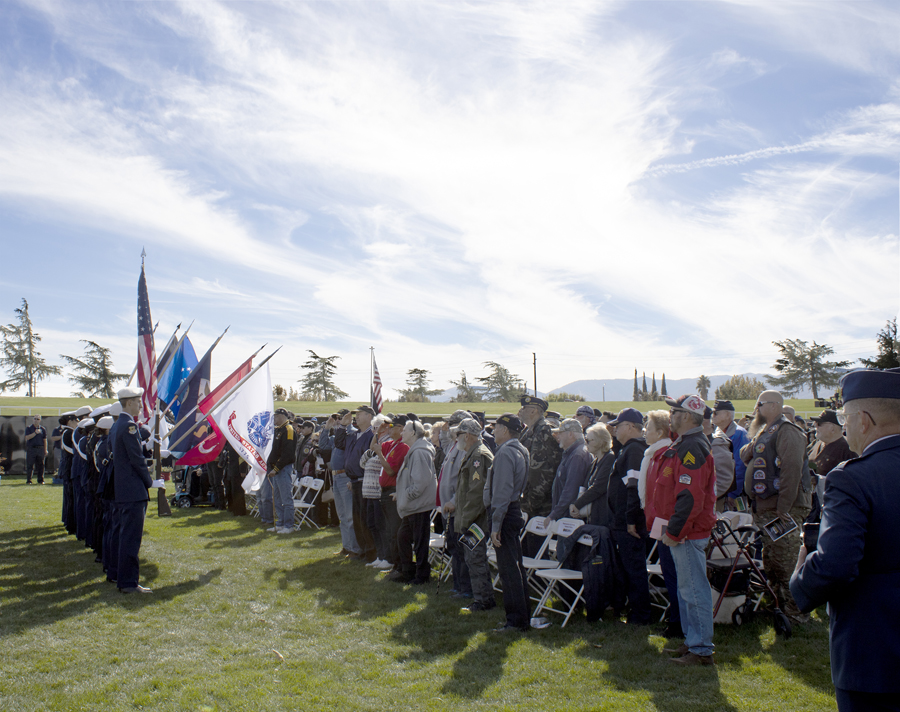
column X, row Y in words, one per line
column 20, row 406
column 227, row 596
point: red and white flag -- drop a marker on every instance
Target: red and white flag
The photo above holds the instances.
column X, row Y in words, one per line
column 246, row 419
column 146, row 361
column 209, row 448
column 377, row 400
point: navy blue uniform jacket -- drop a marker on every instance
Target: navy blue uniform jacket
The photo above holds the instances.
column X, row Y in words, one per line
column 856, row 570
column 131, row 476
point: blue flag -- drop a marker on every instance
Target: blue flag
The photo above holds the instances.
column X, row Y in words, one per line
column 193, row 427
column 183, row 363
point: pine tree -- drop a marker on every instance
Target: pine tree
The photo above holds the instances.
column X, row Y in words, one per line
column 645, row 395
column 465, row 391
column 20, row 357
column 637, row 393
column 800, row 365
column 319, row 384
column 417, row 390
column 662, row 391
column 653, row 394
column 93, row 372
column 888, row 348
column 500, row 384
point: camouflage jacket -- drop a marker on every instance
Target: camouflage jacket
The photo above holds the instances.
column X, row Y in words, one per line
column 545, row 456
column 470, row 488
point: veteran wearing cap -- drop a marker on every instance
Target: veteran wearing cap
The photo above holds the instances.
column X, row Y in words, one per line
column 856, row 566
column 780, row 486
column 544, row 454
column 505, row 482
column 723, row 418
column 131, row 481
column 571, row 475
column 276, row 501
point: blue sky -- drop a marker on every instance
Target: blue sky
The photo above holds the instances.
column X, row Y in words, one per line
column 668, row 186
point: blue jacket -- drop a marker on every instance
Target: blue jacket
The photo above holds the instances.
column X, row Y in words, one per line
column 739, row 437
column 570, row 476
column 131, row 476
column 856, row 570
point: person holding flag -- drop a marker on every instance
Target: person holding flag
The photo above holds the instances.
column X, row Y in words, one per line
column 280, row 465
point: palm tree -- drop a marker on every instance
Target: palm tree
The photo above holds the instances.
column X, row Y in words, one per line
column 703, row 386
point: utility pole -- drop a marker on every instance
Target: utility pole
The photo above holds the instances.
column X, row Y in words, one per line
column 535, row 373
column 604, row 393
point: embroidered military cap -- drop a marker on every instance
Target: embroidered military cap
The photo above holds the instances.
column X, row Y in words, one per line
column 470, row 426
column 511, row 422
column 585, row 410
column 569, row 425
column 827, row 416
column 870, row 383
column 723, row 405
column 129, row 392
column 106, row 422
column 708, row 413
column 458, row 417
column 533, row 400
column 690, row 403
column 285, row 412
column 366, row 409
column 628, row 415
column 399, row 421
column 342, row 412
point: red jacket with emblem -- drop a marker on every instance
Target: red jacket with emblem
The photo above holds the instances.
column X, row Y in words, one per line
column 681, row 487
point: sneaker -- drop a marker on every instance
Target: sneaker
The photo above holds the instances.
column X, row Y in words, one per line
column 283, row 530
column 382, row 565
column 135, row 589
column 693, row 659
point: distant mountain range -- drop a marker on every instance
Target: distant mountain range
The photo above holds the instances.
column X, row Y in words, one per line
column 622, row 389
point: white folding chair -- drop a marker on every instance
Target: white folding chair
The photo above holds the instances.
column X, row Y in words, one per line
column 252, row 497
column 659, row 596
column 562, row 528
column 305, row 505
column 568, row 579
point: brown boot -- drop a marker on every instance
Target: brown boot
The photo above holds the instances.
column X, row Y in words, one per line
column 693, row 659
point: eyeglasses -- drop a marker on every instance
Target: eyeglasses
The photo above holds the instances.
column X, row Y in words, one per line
column 842, row 416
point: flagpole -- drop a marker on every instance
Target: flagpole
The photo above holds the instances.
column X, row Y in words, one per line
column 372, row 376
column 227, row 395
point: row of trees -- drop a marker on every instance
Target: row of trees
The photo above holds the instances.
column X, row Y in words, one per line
column 25, row 366
column 643, row 394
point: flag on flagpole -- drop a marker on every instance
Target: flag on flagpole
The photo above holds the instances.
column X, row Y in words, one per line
column 146, row 362
column 209, row 448
column 246, row 419
column 377, row 400
column 183, row 361
column 191, row 428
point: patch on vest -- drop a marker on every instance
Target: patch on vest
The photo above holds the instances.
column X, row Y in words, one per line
column 759, row 488
column 759, row 475
column 666, row 471
column 688, row 460
column 759, row 449
column 476, row 476
column 684, row 480
column 777, row 462
column 772, row 429
column 776, row 483
column 477, row 464
column 759, row 462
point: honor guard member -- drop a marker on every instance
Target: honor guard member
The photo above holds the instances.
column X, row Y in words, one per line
column 79, row 471
column 855, row 568
column 35, row 450
column 102, row 465
column 68, row 421
column 544, row 457
column 470, row 510
column 103, row 458
column 506, row 480
column 778, row 484
column 132, row 482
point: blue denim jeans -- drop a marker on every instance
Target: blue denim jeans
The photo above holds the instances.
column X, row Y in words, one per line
column 695, row 595
column 276, row 501
column 343, row 504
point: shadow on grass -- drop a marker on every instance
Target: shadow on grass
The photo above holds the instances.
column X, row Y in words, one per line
column 47, row 577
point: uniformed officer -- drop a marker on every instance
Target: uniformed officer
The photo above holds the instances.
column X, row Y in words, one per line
column 35, row 450
column 132, row 481
column 544, row 456
column 856, row 565
column 79, row 470
column 779, row 486
column 68, row 421
column 470, row 510
column 506, row 480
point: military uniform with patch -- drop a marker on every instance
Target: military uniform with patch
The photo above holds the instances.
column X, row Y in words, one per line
column 778, row 484
column 132, row 481
column 545, row 455
column 470, row 510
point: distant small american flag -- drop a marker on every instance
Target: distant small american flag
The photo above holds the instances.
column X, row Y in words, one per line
column 146, row 369
column 377, row 401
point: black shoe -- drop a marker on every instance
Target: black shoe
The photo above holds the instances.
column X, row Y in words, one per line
column 478, row 606
column 111, row 580
column 29, row 482
column 420, row 581
column 136, row 589
column 509, row 628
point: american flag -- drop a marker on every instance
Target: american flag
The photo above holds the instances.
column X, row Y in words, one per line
column 377, row 401
column 146, row 368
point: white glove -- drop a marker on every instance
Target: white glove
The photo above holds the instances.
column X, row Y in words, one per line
column 158, row 483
